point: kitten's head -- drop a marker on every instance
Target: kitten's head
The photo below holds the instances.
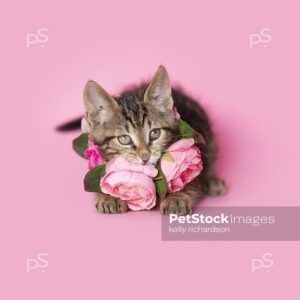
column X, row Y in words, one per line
column 138, row 125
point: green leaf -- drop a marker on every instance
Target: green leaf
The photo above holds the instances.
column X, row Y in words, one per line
column 186, row 131
column 92, row 179
column 161, row 183
column 80, row 144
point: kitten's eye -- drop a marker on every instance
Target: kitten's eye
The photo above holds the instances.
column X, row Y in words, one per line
column 154, row 134
column 125, row 140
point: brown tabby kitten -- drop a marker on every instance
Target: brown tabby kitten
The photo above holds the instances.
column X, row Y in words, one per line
column 140, row 125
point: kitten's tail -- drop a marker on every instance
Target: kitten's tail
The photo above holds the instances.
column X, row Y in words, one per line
column 71, row 125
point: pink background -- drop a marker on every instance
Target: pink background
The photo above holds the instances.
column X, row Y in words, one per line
column 252, row 95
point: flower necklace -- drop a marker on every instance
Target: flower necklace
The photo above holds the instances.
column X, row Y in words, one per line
column 139, row 185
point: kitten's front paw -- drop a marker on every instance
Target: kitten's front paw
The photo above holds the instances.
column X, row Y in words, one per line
column 175, row 205
column 214, row 186
column 110, row 205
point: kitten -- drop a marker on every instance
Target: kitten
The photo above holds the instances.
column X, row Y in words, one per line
column 139, row 125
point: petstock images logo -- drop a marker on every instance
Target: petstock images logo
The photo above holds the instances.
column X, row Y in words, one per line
column 234, row 224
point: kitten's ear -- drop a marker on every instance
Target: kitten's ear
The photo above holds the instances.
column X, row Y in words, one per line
column 159, row 92
column 99, row 106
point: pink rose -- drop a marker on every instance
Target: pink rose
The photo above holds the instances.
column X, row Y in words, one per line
column 130, row 182
column 176, row 113
column 181, row 164
column 93, row 154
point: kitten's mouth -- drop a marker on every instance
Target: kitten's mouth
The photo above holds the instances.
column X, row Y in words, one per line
column 140, row 162
column 147, row 163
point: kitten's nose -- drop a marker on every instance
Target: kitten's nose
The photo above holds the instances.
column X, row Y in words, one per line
column 145, row 155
